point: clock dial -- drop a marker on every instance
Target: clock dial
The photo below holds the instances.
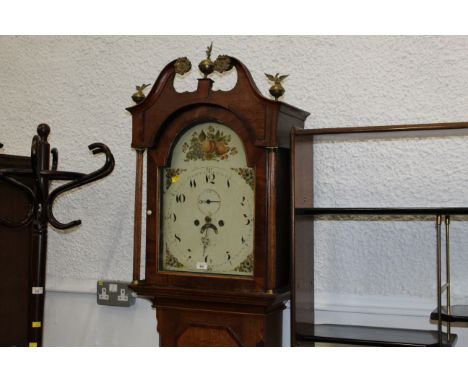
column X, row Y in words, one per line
column 208, row 204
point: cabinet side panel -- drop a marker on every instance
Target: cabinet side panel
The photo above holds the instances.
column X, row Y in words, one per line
column 304, row 269
column 303, row 170
column 302, row 264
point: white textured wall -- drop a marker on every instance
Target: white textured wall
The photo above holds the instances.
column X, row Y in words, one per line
column 81, row 86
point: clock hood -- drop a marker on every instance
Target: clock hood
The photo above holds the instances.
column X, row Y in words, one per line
column 163, row 103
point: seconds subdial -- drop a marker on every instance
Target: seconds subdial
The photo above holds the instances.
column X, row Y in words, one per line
column 209, row 202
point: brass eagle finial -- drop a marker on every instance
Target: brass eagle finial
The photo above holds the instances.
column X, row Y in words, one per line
column 139, row 96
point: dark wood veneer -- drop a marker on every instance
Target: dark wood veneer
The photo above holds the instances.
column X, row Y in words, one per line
column 203, row 309
column 15, row 258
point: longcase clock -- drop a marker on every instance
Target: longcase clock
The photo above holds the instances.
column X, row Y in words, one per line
column 217, row 210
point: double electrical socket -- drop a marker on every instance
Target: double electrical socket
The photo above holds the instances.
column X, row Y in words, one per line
column 114, row 293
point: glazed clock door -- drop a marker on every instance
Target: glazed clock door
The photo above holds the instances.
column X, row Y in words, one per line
column 208, row 204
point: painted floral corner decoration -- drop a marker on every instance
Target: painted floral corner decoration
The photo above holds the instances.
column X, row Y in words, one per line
column 246, row 173
column 173, row 175
column 246, row 266
column 210, row 145
column 171, row 260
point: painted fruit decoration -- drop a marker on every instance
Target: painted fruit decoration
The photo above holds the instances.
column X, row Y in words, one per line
column 210, row 145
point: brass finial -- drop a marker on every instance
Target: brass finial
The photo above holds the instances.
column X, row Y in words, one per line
column 139, row 96
column 277, row 89
column 206, row 66
column 182, row 65
column 223, row 63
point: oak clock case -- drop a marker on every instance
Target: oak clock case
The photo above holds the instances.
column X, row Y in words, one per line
column 217, row 219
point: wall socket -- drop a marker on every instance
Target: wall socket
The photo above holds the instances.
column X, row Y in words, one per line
column 115, row 293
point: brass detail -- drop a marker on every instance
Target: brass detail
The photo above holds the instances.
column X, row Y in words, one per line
column 33, row 344
column 139, row 96
column 206, row 66
column 36, row 324
column 182, row 65
column 277, row 89
column 439, row 277
column 223, row 63
column 447, row 272
column 135, row 282
column 269, row 291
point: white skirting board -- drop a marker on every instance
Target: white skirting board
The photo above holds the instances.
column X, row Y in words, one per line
column 74, row 318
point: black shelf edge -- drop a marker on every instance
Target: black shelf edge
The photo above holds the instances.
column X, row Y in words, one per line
column 370, row 336
column 384, row 211
column 458, row 313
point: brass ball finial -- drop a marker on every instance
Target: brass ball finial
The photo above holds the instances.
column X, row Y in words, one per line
column 206, row 66
column 277, row 89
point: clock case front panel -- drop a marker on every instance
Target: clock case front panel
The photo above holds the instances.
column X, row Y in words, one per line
column 264, row 127
column 160, row 158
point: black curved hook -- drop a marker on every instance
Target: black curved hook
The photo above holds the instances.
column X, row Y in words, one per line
column 55, row 158
column 32, row 206
column 106, row 169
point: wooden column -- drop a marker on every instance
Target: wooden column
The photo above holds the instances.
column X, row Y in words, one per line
column 138, row 215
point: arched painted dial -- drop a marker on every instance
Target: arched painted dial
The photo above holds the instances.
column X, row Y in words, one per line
column 208, row 204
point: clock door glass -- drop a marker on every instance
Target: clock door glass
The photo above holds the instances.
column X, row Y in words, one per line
column 208, row 204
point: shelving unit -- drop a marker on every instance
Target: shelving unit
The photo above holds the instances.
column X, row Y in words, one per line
column 304, row 330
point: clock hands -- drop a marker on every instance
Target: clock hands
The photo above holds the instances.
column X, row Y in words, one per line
column 208, row 201
column 205, row 239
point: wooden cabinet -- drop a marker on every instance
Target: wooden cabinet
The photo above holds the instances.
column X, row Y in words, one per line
column 15, row 258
